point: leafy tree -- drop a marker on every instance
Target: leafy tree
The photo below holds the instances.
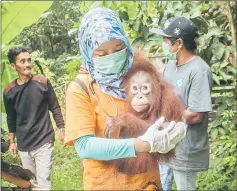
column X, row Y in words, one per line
column 52, row 34
column 14, row 16
column 53, row 40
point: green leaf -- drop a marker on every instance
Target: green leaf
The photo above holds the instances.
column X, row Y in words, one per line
column 223, row 74
column 8, row 75
column 76, row 25
column 232, row 69
column 18, row 15
column 218, row 50
column 221, row 131
column 144, row 19
column 150, row 7
column 85, row 6
column 46, row 14
column 132, row 11
column 123, row 15
column 149, row 44
column 224, row 64
column 226, row 54
column 178, row 13
column 156, row 37
column 96, row 4
column 204, row 42
column 187, row 15
column 216, row 78
column 214, row 133
column 136, row 26
column 72, row 68
column 177, row 5
column 144, row 31
column 138, row 42
column 214, row 31
column 107, row 3
column 196, row 10
column 72, row 31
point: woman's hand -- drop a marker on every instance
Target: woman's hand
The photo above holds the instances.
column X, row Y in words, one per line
column 161, row 141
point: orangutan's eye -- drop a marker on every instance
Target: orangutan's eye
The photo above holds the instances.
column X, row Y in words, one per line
column 134, row 88
column 145, row 89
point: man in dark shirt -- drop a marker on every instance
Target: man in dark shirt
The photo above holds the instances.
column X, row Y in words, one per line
column 28, row 101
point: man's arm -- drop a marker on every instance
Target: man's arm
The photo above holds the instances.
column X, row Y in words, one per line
column 11, row 114
column 193, row 117
column 12, row 138
column 11, row 123
column 199, row 100
column 12, row 145
column 54, row 106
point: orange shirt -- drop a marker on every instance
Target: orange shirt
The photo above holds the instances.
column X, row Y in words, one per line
column 84, row 117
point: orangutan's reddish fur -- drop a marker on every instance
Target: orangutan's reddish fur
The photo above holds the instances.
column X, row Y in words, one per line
column 164, row 103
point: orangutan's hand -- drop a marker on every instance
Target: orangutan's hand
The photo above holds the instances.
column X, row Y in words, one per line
column 111, row 129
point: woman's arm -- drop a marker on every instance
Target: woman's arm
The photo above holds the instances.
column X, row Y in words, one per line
column 91, row 147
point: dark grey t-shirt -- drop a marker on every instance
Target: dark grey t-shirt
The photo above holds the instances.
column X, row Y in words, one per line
column 193, row 84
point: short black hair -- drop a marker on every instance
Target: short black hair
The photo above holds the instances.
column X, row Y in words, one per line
column 13, row 52
column 189, row 44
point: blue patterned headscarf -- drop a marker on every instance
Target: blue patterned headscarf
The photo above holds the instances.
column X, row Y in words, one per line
column 99, row 26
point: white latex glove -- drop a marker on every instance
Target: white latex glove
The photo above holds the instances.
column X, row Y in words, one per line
column 159, row 139
column 163, row 141
column 178, row 133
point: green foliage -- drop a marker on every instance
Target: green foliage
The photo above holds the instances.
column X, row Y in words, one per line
column 7, row 76
column 17, row 15
column 222, row 132
column 53, row 40
column 52, row 35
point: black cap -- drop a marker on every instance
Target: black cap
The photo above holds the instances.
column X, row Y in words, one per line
column 177, row 27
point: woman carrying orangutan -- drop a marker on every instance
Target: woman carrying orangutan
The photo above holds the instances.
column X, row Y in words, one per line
column 94, row 98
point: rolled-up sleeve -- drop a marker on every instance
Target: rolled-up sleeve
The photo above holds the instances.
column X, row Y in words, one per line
column 199, row 99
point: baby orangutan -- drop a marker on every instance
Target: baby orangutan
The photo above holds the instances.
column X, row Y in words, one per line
column 148, row 98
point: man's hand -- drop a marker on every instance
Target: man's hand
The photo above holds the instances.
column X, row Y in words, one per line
column 62, row 135
column 13, row 149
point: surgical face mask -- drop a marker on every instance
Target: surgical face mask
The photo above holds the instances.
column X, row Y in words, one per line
column 110, row 64
column 169, row 55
